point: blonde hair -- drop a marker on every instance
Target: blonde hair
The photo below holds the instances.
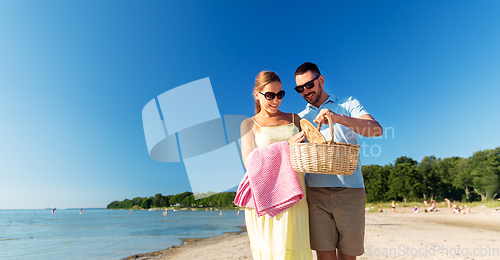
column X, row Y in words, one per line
column 262, row 79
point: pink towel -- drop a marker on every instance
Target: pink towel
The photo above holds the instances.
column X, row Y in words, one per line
column 271, row 185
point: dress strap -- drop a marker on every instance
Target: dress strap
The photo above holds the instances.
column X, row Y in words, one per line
column 256, row 122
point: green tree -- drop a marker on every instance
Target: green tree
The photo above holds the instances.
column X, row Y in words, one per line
column 188, row 201
column 485, row 172
column 179, row 198
column 146, row 204
column 428, row 169
column 159, row 201
column 404, row 159
column 375, row 179
column 214, row 200
column 113, row 205
column 404, row 180
column 227, row 198
column 137, row 201
column 447, row 177
column 126, row 204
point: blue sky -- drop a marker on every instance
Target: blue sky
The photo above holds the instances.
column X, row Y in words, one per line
column 75, row 76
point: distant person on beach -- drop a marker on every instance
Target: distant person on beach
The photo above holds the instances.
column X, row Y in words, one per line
column 415, row 210
column 448, row 202
column 425, row 203
column 336, row 202
column 393, row 205
column 286, row 235
column 466, row 210
column 433, row 206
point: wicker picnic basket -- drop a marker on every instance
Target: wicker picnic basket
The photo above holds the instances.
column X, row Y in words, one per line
column 320, row 156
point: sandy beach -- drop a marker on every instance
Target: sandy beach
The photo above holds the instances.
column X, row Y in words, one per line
column 405, row 235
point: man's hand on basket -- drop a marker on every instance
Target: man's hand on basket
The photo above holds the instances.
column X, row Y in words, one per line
column 297, row 138
column 321, row 117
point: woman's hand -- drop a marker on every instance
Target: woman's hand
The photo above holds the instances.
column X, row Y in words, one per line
column 297, row 138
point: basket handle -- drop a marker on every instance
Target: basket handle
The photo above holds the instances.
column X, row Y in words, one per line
column 330, row 123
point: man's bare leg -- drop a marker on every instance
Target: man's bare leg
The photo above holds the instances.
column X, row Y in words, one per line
column 332, row 255
column 327, row 255
column 343, row 256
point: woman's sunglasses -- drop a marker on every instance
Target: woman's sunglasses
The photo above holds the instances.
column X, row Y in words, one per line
column 272, row 95
column 308, row 85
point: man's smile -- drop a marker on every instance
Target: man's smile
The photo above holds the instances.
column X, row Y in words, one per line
column 310, row 95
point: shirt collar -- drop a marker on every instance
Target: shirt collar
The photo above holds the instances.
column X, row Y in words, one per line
column 331, row 99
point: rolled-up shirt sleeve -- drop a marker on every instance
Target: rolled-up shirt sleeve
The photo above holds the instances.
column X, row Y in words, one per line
column 355, row 108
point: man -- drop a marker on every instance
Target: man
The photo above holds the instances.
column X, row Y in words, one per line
column 336, row 202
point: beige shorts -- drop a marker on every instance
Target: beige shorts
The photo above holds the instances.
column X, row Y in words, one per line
column 337, row 219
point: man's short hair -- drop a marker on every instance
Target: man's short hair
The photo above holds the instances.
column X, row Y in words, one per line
column 305, row 67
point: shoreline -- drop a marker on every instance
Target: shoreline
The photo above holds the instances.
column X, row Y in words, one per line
column 186, row 243
column 404, row 235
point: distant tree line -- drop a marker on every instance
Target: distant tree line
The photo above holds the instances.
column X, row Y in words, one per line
column 462, row 179
column 455, row 178
column 185, row 200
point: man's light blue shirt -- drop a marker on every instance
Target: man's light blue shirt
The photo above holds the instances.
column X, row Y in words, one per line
column 348, row 106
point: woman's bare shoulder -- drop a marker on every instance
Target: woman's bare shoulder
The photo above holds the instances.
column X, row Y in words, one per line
column 249, row 122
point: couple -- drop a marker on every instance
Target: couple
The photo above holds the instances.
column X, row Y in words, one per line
column 330, row 219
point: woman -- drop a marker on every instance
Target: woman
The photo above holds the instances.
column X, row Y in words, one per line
column 286, row 236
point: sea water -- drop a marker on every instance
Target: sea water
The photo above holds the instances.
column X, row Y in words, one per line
column 104, row 234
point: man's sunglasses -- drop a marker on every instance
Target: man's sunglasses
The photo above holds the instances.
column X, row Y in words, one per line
column 272, row 95
column 308, row 85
